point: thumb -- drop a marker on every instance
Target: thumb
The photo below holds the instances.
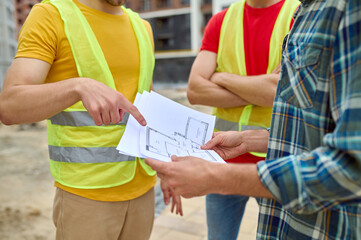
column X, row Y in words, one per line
column 211, row 143
column 177, row 159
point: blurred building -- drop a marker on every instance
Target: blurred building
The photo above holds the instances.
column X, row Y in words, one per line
column 178, row 27
column 8, row 43
column 23, row 8
column 219, row 5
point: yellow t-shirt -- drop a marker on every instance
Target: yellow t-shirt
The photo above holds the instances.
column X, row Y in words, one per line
column 42, row 37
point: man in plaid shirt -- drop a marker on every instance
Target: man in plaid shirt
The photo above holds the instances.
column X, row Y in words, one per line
column 310, row 183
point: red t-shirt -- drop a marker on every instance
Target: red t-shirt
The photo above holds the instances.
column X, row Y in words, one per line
column 258, row 26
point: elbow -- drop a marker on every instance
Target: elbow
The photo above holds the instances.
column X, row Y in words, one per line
column 4, row 117
column 269, row 103
column 271, row 100
column 191, row 95
column 192, row 89
column 268, row 100
column 268, row 97
column 265, row 102
column 5, row 122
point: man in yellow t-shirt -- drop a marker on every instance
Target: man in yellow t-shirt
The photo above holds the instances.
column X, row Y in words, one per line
column 44, row 80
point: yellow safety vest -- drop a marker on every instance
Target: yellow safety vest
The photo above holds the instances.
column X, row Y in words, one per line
column 231, row 59
column 83, row 155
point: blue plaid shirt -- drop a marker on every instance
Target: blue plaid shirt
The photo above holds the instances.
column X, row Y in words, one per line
column 313, row 167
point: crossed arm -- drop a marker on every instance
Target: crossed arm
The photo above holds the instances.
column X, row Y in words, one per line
column 221, row 89
column 203, row 91
column 26, row 98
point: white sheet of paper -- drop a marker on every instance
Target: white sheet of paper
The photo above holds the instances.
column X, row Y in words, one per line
column 173, row 129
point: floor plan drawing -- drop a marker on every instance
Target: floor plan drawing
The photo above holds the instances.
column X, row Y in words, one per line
column 172, row 129
column 187, row 144
column 196, row 130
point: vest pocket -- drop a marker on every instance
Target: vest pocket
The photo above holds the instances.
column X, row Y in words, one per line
column 299, row 77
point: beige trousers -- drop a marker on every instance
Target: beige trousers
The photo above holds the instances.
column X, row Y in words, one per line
column 78, row 218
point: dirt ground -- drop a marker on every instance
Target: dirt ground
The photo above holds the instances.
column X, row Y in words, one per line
column 26, row 186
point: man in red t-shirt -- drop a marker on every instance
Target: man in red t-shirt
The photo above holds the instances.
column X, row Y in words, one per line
column 250, row 80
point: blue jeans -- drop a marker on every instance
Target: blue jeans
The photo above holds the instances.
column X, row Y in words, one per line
column 224, row 215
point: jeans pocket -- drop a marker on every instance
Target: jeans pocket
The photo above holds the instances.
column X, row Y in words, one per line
column 299, row 76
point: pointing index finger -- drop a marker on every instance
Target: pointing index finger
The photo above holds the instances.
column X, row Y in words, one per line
column 133, row 110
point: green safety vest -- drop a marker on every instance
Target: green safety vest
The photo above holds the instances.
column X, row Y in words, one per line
column 231, row 59
column 83, row 155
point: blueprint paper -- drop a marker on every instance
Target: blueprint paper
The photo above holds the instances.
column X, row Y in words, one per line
column 172, row 129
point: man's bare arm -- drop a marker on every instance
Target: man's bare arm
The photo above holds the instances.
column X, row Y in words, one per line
column 202, row 91
column 191, row 177
column 259, row 90
column 25, row 98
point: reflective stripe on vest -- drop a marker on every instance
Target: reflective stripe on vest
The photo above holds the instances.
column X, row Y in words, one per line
column 79, row 119
column 87, row 155
column 94, row 154
column 233, row 126
column 231, row 59
column 225, row 125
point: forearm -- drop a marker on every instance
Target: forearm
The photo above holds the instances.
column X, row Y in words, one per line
column 204, row 92
column 32, row 103
column 238, row 179
column 27, row 98
column 256, row 140
column 258, row 90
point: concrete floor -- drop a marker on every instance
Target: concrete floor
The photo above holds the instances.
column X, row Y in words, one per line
column 192, row 226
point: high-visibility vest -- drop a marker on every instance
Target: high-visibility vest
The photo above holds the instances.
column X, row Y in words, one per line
column 231, row 59
column 83, row 155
